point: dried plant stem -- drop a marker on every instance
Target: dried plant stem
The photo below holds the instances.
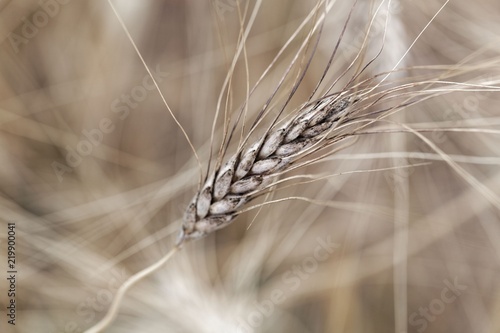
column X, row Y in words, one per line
column 113, row 310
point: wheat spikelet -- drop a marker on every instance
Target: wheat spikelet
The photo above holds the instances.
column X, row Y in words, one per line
column 248, row 172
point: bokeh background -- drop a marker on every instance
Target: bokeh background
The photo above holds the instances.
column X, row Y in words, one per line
column 96, row 173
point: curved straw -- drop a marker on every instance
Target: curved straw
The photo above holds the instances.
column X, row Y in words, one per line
column 113, row 310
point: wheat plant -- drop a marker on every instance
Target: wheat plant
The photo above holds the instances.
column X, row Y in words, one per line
column 251, row 166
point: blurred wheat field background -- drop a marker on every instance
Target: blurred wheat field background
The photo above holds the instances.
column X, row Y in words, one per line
column 401, row 232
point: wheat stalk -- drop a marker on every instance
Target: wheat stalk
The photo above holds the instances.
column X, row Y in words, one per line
column 247, row 173
column 256, row 167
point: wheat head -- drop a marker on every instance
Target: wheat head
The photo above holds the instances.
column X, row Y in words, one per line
column 248, row 172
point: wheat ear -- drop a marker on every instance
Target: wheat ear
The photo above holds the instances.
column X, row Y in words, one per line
column 247, row 173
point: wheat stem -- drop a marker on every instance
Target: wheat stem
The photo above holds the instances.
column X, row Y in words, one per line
column 113, row 310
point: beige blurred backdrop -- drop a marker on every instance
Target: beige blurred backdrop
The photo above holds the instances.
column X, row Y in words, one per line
column 95, row 172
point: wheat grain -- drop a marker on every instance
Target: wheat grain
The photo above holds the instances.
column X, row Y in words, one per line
column 247, row 173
